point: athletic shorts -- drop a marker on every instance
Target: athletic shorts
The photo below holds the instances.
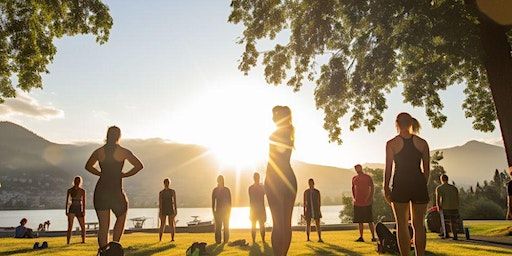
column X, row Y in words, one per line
column 115, row 201
column 76, row 209
column 363, row 214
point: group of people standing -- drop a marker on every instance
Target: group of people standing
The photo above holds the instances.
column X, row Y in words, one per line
column 408, row 195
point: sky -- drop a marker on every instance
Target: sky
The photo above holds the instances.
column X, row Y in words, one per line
column 170, row 71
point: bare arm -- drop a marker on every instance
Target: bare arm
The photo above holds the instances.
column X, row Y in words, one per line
column 353, row 190
column 213, row 201
column 305, row 203
column 509, row 207
column 174, row 203
column 137, row 165
column 319, row 199
column 89, row 165
column 426, row 161
column 372, row 189
column 229, row 199
column 160, row 204
column 83, row 201
column 388, row 169
column 438, row 199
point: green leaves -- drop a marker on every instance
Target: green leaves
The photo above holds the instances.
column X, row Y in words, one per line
column 27, row 31
column 365, row 48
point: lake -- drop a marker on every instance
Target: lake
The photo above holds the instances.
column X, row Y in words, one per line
column 239, row 216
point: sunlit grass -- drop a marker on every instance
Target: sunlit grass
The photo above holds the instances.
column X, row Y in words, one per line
column 336, row 243
column 490, row 228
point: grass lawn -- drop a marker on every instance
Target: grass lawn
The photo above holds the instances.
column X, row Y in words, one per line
column 490, row 228
column 336, row 243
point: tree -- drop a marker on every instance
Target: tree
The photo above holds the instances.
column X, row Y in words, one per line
column 372, row 46
column 435, row 174
column 27, row 31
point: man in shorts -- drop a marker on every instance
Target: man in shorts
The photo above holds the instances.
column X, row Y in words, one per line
column 257, row 203
column 362, row 193
column 447, row 201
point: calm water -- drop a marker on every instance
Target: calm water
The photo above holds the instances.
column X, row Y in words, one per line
column 239, row 217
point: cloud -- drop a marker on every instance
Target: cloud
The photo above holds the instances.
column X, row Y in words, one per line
column 25, row 105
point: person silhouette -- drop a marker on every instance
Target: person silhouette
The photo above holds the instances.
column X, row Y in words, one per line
column 221, row 207
column 257, row 211
column 167, row 208
column 75, row 207
column 312, row 204
column 109, row 194
column 409, row 193
column 280, row 180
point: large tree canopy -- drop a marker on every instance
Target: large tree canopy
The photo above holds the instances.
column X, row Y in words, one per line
column 372, row 47
column 27, row 31
column 363, row 49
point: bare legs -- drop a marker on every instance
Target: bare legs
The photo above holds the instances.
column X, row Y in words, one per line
column 370, row 226
column 162, row 227
column 81, row 221
column 420, row 236
column 282, row 220
column 402, row 212
column 318, row 230
column 104, row 223
column 119, row 227
column 172, row 225
column 71, row 217
column 262, row 231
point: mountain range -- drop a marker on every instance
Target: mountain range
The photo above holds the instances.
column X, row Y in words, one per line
column 35, row 173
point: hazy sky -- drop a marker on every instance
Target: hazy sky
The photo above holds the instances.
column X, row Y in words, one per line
column 169, row 70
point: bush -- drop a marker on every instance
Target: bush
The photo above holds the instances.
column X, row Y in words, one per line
column 482, row 209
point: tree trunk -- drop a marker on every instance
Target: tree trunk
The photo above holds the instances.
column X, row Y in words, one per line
column 498, row 64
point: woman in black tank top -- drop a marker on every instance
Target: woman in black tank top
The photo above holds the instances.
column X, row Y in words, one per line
column 109, row 194
column 408, row 193
column 75, row 207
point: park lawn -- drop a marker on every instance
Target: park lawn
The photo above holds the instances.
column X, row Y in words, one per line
column 491, row 228
column 336, row 243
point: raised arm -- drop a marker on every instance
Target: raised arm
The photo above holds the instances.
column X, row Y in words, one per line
column 89, row 165
column 133, row 160
column 387, row 171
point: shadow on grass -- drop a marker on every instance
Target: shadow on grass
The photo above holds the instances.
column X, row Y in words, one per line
column 141, row 251
column 486, row 250
column 332, row 249
column 214, row 249
column 17, row 251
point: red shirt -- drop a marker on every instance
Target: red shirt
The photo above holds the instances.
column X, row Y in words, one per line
column 361, row 189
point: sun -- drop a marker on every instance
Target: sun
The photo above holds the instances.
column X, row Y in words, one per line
column 234, row 124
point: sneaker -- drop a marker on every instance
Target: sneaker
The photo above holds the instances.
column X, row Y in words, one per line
column 360, row 239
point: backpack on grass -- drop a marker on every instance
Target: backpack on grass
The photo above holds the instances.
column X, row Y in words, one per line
column 111, row 249
column 197, row 249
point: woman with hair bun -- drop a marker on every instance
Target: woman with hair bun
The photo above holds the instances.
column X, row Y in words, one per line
column 280, row 181
column 409, row 193
column 109, row 194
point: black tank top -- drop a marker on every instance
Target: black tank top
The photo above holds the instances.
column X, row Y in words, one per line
column 408, row 160
column 111, row 169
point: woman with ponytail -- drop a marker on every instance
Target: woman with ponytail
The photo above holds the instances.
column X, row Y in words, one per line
column 409, row 193
column 109, row 194
column 280, row 181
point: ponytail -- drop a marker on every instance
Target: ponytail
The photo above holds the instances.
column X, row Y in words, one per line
column 415, row 126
